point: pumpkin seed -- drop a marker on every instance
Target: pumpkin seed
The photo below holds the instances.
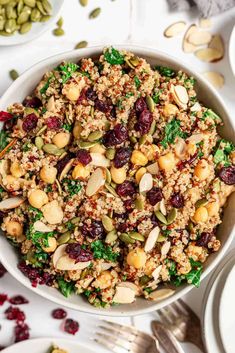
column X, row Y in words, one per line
column 136, row 236
column 23, row 17
column 171, row 216
column 35, row 15
column 20, row 6
column 132, row 62
column 107, row 125
column 133, row 139
column 108, row 176
column 25, row 28
column 190, row 227
column 87, row 144
column 45, row 18
column 95, row 135
column 113, row 185
column 64, row 238
column 126, row 238
column 107, row 223
column 58, row 32
column 201, row 202
column 75, row 220
column 139, row 204
column 13, row 74
column 150, row 104
column 111, row 237
column 5, row 34
column 92, row 111
column 9, row 11
column 152, row 128
column 83, row 2
column 31, row 257
column 95, row 13
column 144, row 280
column 161, row 238
column 47, row 6
column 52, row 149
column 30, row 3
column 142, row 139
column 161, row 217
column 39, row 142
column 10, row 26
column 2, row 24
column 82, row 44
column 110, row 153
column 60, row 22
column 4, row 2
column 41, row 8
column 41, row 130
column 110, row 189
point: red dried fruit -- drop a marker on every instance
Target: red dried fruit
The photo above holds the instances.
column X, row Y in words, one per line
column 14, row 314
column 177, row 200
column 182, row 164
column 18, row 300
column 82, row 96
column 71, row 326
column 63, row 162
column 30, row 272
column 144, row 122
column 116, row 136
column 91, row 94
column 33, row 102
column 122, row 156
column 83, row 156
column 227, row 175
column 4, row 116
column 53, row 123
column 75, row 252
column 21, row 332
column 102, row 106
column 2, row 269
column 140, row 105
column 3, row 298
column 204, row 239
column 94, row 230
column 154, row 196
column 128, row 204
column 30, row 122
column 59, row 314
column 126, row 189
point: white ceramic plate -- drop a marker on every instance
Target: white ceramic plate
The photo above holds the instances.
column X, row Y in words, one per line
column 38, row 28
column 226, row 318
column 41, row 345
column 231, row 50
column 24, row 86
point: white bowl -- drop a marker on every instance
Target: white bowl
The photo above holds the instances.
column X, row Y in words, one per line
column 38, row 28
column 231, row 50
column 25, row 84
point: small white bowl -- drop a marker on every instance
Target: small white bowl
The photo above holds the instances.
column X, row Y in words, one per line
column 25, row 84
column 231, row 50
column 38, row 28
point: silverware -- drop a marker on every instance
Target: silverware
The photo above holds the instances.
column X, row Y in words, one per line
column 115, row 336
column 183, row 323
column 166, row 338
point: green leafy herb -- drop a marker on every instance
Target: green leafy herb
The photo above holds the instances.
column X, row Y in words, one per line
column 119, row 104
column 102, row 251
column 222, row 151
column 26, row 147
column 67, row 70
column 73, row 186
column 44, row 110
column 70, row 225
column 129, row 94
column 193, row 277
column 39, row 239
column 165, row 71
column 199, row 147
column 87, row 293
column 49, row 188
column 67, row 127
column 124, row 278
column 137, row 82
column 66, row 288
column 172, row 130
column 148, row 290
column 189, row 82
column 37, row 214
column 41, row 256
column 47, row 84
column 3, row 139
column 209, row 113
column 114, row 57
column 156, row 96
column 166, row 232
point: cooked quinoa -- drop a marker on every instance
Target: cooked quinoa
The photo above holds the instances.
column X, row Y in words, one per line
column 113, row 179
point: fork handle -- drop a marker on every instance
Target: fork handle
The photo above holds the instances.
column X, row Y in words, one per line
column 166, row 339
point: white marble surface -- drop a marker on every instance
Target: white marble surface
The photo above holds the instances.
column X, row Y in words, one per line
column 139, row 22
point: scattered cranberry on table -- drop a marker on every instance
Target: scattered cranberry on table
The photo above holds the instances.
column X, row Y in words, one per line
column 71, row 326
column 59, row 314
column 18, row 300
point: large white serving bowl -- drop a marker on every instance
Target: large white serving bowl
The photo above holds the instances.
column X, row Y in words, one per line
column 26, row 83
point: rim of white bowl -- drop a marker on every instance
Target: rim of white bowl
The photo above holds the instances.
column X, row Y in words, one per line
column 93, row 51
column 231, row 49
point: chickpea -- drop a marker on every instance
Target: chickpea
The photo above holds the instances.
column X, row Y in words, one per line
column 167, row 162
column 170, row 109
column 12, row 183
column 137, row 258
column 48, row 174
column 118, row 174
column 37, row 198
column 200, row 215
column 104, row 280
column 202, row 170
column 16, row 170
column 61, row 139
column 138, row 158
column 140, row 172
column 80, row 172
column 191, row 148
column 232, row 156
column 52, row 212
column 72, row 92
column 98, row 149
column 151, row 152
column 213, row 208
column 14, row 228
column 77, row 130
column 52, row 245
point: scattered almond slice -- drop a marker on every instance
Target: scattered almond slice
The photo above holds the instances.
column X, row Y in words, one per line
column 217, row 43
column 208, row 54
column 160, row 294
column 130, row 285
column 215, row 78
column 153, row 168
column 41, row 227
column 174, row 29
column 124, row 295
column 96, row 181
column 188, row 47
column 152, row 238
column 205, row 23
column 10, row 203
column 99, row 160
column 146, row 182
column 66, row 169
column 199, row 38
column 165, row 248
column 196, row 107
column 156, row 272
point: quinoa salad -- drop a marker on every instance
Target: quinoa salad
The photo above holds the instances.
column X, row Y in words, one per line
column 113, row 179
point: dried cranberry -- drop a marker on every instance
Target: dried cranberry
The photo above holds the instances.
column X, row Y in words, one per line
column 116, row 136
column 53, row 123
column 33, row 102
column 18, row 300
column 59, row 314
column 83, row 156
column 30, row 122
column 63, row 162
column 47, row 279
column 71, row 326
column 75, row 252
column 102, row 106
column 113, row 114
column 94, row 230
column 14, row 314
column 2, row 347
column 227, row 175
column 154, row 220
column 91, row 94
column 144, row 122
column 2, row 270
column 181, row 165
column 204, row 239
column 122, row 227
column 126, row 189
column 154, row 196
column 140, row 105
column 177, row 200
column 128, row 205
column 4, row 116
column 122, row 156
column 33, row 274
column 21, row 332
column 3, row 298
column 82, row 97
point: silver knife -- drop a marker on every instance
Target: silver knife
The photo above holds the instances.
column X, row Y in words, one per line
column 166, row 339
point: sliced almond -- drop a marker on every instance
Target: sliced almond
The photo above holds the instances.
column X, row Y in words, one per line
column 182, row 94
column 196, row 107
column 99, row 160
column 186, row 46
column 130, row 285
column 65, row 263
column 107, row 265
column 205, row 23
column 10, row 203
column 217, row 43
column 60, row 251
column 51, row 104
column 124, row 295
column 41, row 227
column 66, row 169
column 174, row 29
column 156, row 272
column 153, row 168
column 199, row 38
column 160, row 294
column 165, row 248
column 96, row 181
column 152, row 238
column 146, row 182
column 215, row 78
column 209, row 54
column 162, row 207
column 180, row 148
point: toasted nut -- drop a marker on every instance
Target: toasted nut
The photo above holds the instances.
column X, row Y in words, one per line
column 61, row 139
column 11, row 203
column 124, row 295
column 174, row 29
column 161, row 294
column 104, row 280
column 37, row 198
column 215, row 78
column 48, row 174
column 16, row 170
column 213, row 208
column 146, row 183
column 167, row 162
column 205, row 22
column 217, row 43
column 199, row 38
column 140, row 172
column 188, row 47
column 72, row 92
column 200, row 215
column 191, row 148
column 96, row 181
column 14, row 228
column 138, row 158
column 118, row 174
column 170, row 110
column 77, row 130
column 53, row 212
column 80, row 172
column 52, row 245
column 202, row 170
column 209, row 54
column 98, row 149
column 136, row 258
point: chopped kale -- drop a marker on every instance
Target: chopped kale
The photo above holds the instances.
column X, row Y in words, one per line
column 165, row 71
column 137, row 82
column 66, row 288
column 222, row 151
column 172, row 130
column 72, row 186
column 47, row 84
column 3, row 139
column 114, row 57
column 67, row 127
column 102, row 251
column 66, row 71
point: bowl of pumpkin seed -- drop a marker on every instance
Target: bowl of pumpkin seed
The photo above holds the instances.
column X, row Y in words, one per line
column 24, row 20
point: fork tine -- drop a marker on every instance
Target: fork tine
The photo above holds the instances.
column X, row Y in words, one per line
column 186, row 308
column 114, row 341
column 125, row 328
column 118, row 333
column 106, row 344
column 167, row 314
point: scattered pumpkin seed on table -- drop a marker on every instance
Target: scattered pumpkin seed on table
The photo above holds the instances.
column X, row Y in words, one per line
column 58, row 32
column 13, row 74
column 60, row 22
column 95, row 13
column 83, row 2
column 82, row 44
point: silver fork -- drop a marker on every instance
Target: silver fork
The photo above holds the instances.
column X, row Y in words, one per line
column 183, row 323
column 119, row 338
